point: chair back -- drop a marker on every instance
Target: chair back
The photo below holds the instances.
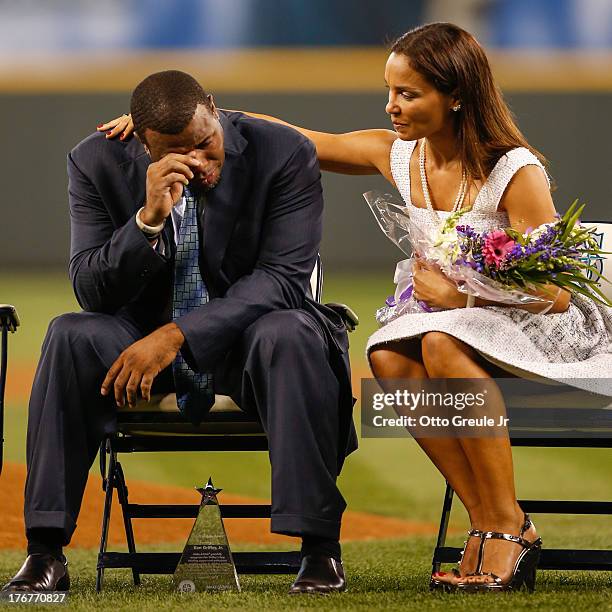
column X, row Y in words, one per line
column 602, row 264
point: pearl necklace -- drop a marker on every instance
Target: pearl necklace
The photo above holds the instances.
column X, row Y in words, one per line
column 462, row 187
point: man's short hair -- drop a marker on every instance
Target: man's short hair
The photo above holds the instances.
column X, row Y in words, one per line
column 166, row 102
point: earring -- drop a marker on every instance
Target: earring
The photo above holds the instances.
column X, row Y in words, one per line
column 457, row 107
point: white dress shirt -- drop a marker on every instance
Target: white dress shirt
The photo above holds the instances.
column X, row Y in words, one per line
column 177, row 214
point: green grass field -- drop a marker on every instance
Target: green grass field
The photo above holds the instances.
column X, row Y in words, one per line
column 386, row 575
column 388, row 477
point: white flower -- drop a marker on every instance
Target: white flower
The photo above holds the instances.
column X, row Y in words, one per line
column 538, row 231
column 445, row 249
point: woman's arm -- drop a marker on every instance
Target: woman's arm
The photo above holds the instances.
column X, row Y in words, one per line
column 528, row 202
column 362, row 152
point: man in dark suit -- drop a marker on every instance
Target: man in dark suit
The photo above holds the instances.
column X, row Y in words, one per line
column 231, row 316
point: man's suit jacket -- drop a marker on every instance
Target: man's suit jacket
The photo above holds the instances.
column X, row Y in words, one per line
column 261, row 229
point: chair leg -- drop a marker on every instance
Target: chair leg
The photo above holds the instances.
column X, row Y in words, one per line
column 122, row 492
column 3, row 366
column 108, row 484
column 446, row 511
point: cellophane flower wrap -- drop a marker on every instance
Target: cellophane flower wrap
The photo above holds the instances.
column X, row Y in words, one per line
column 501, row 265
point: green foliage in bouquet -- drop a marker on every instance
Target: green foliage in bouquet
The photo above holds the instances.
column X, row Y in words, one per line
column 559, row 253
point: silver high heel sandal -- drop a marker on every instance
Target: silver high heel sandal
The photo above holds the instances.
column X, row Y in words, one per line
column 524, row 571
column 436, row 584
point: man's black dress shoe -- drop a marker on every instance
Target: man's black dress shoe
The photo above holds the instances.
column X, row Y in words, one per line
column 319, row 574
column 40, row 572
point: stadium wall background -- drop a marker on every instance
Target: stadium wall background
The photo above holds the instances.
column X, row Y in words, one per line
column 572, row 129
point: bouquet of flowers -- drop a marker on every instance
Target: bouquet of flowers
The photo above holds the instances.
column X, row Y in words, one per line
column 502, row 265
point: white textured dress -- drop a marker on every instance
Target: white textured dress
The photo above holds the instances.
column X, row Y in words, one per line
column 575, row 344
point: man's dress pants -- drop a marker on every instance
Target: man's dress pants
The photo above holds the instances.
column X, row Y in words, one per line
column 279, row 369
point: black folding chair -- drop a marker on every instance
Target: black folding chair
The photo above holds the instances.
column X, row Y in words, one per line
column 551, row 558
column 572, row 437
column 9, row 322
column 158, row 426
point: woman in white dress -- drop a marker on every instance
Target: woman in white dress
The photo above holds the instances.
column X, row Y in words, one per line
column 455, row 145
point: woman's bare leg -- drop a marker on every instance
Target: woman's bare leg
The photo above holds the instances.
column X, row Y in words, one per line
column 490, row 458
column 403, row 360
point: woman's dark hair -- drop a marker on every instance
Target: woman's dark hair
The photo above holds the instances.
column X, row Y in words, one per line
column 453, row 61
column 166, row 102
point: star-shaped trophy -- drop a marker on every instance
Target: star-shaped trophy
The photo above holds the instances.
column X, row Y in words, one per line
column 207, row 563
column 209, row 492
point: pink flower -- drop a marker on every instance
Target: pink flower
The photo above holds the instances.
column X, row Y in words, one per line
column 496, row 247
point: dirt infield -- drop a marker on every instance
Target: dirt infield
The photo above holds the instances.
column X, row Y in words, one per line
column 355, row 526
column 19, row 381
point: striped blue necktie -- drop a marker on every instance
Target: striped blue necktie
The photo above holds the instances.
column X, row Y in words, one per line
column 194, row 390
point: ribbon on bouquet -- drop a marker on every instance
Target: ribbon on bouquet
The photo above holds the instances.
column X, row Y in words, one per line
column 404, row 291
column 405, row 288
